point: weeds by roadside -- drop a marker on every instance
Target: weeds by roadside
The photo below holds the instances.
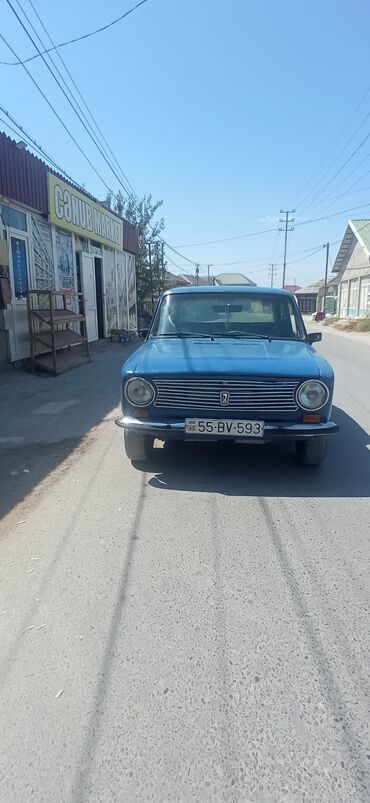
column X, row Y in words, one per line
column 356, row 325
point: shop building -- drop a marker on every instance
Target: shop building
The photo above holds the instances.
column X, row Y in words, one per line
column 55, row 236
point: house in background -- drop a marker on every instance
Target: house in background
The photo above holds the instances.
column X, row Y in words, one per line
column 311, row 298
column 234, row 279
column 352, row 267
column 191, row 280
column 307, row 297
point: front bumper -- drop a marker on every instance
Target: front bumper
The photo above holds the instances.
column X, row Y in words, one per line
column 176, row 430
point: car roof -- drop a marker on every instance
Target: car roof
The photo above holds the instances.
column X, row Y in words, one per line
column 231, row 288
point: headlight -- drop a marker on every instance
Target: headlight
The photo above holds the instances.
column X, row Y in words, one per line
column 139, row 392
column 312, row 395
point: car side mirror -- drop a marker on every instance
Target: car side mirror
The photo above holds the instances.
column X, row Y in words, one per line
column 143, row 333
column 314, row 337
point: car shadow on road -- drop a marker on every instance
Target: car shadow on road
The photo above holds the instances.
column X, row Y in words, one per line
column 269, row 470
column 46, row 422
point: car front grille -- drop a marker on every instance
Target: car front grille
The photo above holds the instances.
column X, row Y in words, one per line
column 273, row 395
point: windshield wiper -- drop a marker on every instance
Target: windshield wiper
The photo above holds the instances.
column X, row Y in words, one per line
column 186, row 334
column 245, row 335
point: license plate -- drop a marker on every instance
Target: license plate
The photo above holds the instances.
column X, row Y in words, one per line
column 230, row 427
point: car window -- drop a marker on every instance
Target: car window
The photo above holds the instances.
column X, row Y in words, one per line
column 223, row 313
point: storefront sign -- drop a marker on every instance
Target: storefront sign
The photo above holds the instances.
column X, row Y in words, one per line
column 72, row 210
column 19, row 261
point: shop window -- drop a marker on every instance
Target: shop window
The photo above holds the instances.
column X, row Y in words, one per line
column 110, row 290
column 64, row 257
column 13, row 218
column 44, row 277
column 365, row 297
column 82, row 244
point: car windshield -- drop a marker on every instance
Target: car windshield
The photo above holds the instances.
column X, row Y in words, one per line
column 227, row 315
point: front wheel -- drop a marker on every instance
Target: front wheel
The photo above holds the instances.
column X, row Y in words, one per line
column 311, row 452
column 138, row 447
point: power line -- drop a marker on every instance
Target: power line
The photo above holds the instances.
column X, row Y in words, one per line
column 335, row 214
column 20, row 131
column 77, row 38
column 66, row 94
column 228, row 239
column 265, row 231
column 347, row 191
column 133, row 198
column 338, row 139
column 58, row 116
column 78, row 91
column 343, row 181
column 362, row 143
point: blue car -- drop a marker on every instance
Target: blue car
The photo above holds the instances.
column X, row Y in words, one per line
column 227, row 363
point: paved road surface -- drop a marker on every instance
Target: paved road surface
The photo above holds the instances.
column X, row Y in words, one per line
column 195, row 632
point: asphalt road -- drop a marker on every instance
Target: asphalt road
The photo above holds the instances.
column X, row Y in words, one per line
column 198, row 631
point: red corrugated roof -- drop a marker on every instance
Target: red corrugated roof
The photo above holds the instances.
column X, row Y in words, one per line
column 24, row 178
column 292, row 288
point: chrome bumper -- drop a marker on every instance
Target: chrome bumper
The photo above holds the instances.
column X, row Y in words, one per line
column 161, row 429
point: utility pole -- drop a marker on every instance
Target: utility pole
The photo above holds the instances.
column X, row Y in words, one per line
column 287, row 227
column 163, row 273
column 208, row 273
column 197, row 274
column 151, row 276
column 326, row 276
column 272, row 271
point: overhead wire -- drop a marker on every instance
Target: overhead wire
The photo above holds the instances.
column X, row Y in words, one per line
column 265, row 231
column 343, row 181
column 19, row 131
column 133, row 196
column 77, row 38
column 338, row 139
column 94, row 121
column 65, row 90
column 92, row 137
column 350, row 157
column 42, row 93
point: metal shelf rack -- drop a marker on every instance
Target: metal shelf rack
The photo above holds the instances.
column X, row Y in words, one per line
column 57, row 330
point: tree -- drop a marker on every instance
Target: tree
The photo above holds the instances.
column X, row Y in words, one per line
column 149, row 283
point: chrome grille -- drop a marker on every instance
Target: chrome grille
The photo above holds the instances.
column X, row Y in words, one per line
column 244, row 394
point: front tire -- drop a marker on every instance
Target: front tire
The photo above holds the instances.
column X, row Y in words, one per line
column 138, row 447
column 312, row 451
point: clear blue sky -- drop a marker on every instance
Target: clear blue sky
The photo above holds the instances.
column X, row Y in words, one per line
column 222, row 109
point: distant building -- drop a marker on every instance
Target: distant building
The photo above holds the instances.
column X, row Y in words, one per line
column 234, row 279
column 307, row 297
column 193, row 281
column 292, row 288
column 172, row 280
column 352, row 267
column 311, row 298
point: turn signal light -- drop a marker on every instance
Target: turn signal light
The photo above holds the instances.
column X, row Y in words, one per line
column 309, row 418
column 141, row 413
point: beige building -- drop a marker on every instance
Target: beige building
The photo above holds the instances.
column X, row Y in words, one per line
column 352, row 265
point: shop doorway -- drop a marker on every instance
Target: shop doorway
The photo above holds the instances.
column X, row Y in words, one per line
column 99, row 296
column 88, row 288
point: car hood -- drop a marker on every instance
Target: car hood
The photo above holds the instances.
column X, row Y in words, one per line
column 226, row 356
